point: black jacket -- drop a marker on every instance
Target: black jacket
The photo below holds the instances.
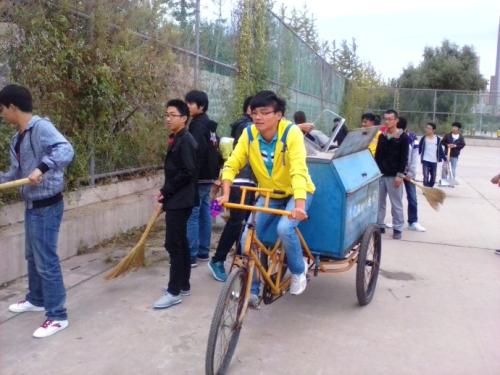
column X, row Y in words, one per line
column 200, row 128
column 392, row 153
column 460, row 142
column 440, row 155
column 180, row 189
column 237, row 128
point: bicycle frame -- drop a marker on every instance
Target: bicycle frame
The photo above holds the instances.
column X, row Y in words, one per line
column 250, row 257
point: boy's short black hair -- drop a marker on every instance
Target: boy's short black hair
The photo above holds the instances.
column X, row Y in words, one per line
column 378, row 120
column 17, row 95
column 392, row 112
column 402, row 123
column 368, row 116
column 433, row 125
column 246, row 103
column 299, row 117
column 457, row 124
column 180, row 105
column 200, row 98
column 268, row 98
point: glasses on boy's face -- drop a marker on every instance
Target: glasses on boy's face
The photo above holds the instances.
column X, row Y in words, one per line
column 261, row 113
column 170, row 115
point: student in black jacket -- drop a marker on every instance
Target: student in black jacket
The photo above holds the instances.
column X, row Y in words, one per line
column 455, row 142
column 178, row 195
column 203, row 129
column 392, row 157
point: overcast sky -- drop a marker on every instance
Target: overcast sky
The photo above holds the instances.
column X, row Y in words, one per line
column 393, row 33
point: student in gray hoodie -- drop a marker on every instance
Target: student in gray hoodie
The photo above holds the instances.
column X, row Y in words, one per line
column 39, row 152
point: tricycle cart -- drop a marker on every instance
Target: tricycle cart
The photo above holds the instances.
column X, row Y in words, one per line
column 341, row 232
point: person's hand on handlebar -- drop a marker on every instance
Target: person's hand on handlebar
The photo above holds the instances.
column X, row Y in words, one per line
column 226, row 188
column 223, row 199
column 299, row 212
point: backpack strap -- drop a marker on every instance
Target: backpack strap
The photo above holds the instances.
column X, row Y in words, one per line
column 283, row 141
column 249, row 133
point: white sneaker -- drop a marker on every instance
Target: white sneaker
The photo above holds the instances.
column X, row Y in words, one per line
column 388, row 225
column 24, row 306
column 416, row 227
column 299, row 283
column 49, row 327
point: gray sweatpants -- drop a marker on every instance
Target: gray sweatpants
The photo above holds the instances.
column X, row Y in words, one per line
column 396, row 197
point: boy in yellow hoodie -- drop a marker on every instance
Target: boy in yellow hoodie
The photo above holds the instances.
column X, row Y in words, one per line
column 275, row 150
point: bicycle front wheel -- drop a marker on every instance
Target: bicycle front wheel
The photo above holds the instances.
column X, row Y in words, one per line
column 225, row 328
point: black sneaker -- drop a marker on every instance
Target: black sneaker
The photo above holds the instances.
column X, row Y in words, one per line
column 193, row 262
column 396, row 234
column 382, row 230
column 203, row 258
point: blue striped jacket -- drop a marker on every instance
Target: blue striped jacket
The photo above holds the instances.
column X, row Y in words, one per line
column 42, row 143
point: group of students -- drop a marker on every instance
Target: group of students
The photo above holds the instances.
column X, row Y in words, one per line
column 397, row 152
column 269, row 152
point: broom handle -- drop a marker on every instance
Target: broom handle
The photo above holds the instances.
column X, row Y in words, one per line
column 422, row 187
column 14, row 184
column 151, row 222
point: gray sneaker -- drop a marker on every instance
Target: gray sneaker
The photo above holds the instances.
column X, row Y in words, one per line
column 167, row 300
column 254, row 301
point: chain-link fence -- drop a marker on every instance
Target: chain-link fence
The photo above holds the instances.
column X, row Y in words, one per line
column 202, row 43
column 479, row 112
column 206, row 51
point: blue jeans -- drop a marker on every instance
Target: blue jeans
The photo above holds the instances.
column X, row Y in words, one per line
column 45, row 281
column 411, row 195
column 285, row 228
column 453, row 162
column 199, row 225
column 429, row 171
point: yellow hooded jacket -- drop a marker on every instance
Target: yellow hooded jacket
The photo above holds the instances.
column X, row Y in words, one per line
column 290, row 173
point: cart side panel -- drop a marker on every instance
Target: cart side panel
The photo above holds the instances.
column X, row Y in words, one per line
column 359, row 174
column 323, row 231
column 361, row 211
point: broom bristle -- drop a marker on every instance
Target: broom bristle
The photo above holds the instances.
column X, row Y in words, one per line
column 133, row 260
column 434, row 196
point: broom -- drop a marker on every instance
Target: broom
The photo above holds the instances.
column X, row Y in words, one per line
column 14, row 184
column 135, row 258
column 434, row 196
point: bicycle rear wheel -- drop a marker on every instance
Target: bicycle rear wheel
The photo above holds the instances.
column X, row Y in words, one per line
column 225, row 329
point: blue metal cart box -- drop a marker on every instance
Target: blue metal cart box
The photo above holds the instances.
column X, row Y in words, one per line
column 346, row 199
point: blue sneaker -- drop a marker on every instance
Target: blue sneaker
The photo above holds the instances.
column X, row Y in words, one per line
column 218, row 271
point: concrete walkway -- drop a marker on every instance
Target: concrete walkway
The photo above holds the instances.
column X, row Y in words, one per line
column 436, row 308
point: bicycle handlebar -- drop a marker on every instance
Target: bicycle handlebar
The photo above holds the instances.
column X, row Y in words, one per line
column 266, row 210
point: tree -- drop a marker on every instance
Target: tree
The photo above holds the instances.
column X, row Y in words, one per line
column 346, row 61
column 448, row 67
column 304, row 24
column 252, row 49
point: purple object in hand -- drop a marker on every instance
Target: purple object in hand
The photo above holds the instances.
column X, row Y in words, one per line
column 215, row 208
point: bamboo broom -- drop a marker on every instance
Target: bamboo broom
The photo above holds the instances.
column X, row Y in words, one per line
column 434, row 196
column 14, row 184
column 135, row 258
